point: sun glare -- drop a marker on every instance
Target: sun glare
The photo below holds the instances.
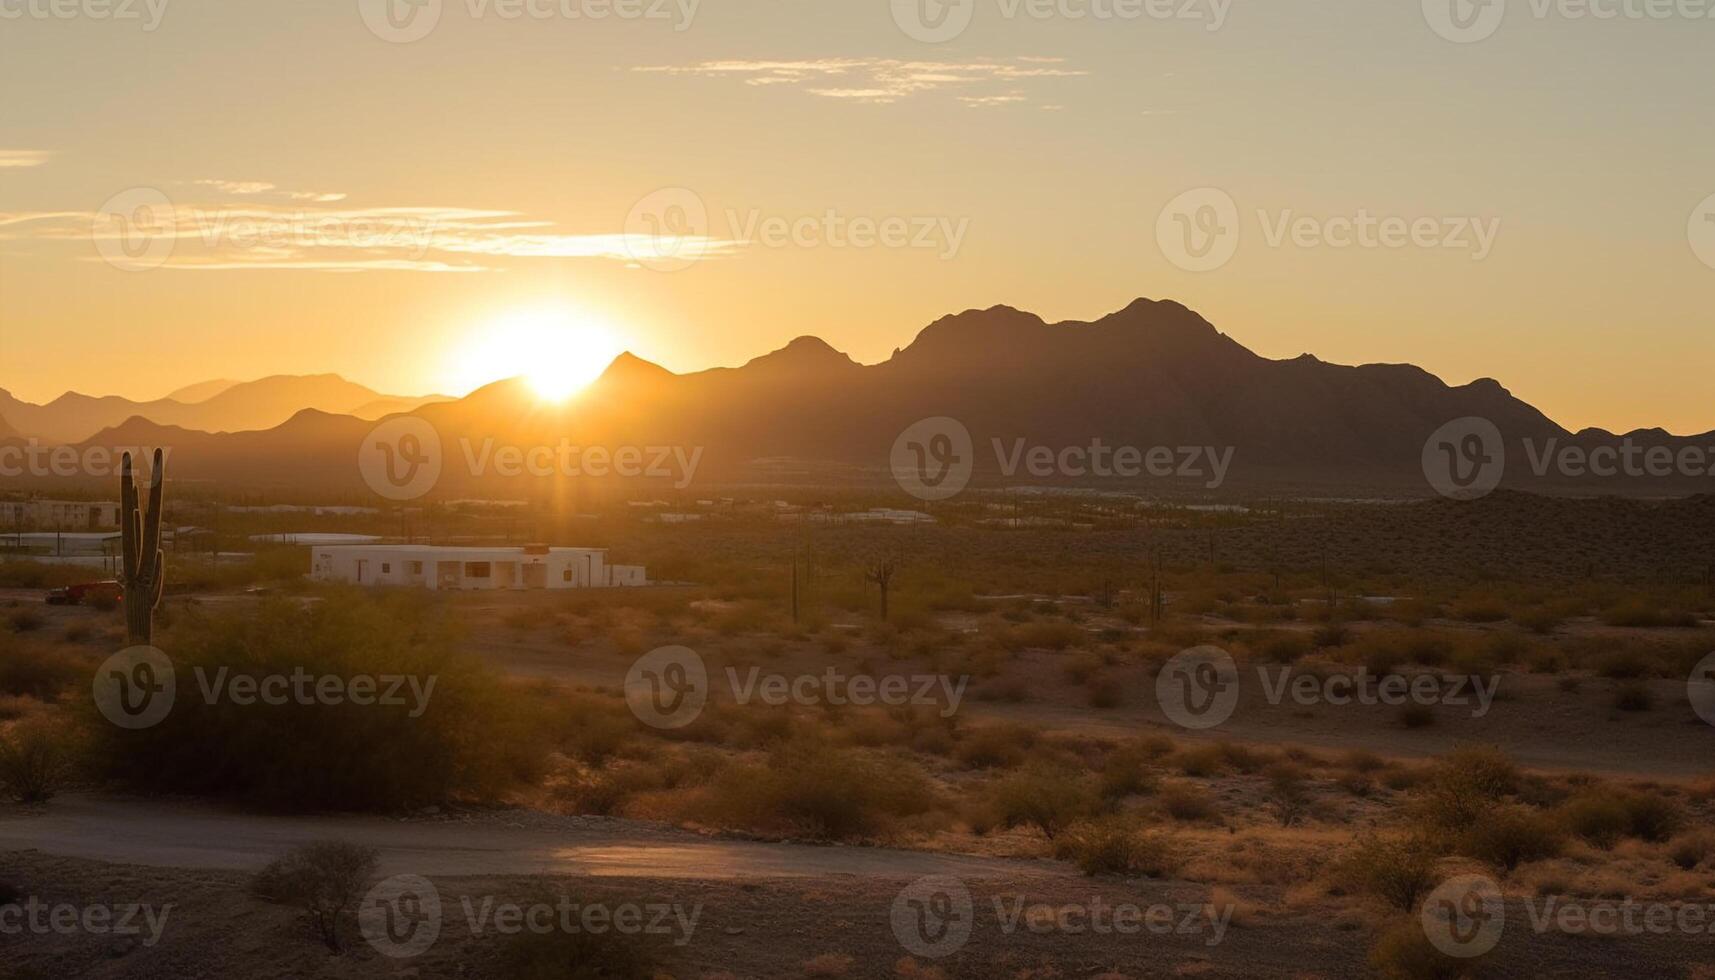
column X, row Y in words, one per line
column 556, row 350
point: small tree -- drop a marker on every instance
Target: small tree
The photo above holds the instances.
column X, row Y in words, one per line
column 35, row 759
column 323, row 879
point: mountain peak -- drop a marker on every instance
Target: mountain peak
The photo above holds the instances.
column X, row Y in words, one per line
column 631, row 368
column 803, row 354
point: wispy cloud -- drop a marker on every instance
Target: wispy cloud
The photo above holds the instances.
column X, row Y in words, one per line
column 884, row 80
column 252, row 188
column 259, row 235
column 23, row 158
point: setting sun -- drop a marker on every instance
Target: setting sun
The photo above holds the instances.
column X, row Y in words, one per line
column 556, row 350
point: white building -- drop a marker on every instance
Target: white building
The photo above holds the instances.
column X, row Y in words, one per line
column 69, row 515
column 535, row 566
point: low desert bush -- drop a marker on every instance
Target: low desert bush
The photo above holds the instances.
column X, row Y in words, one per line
column 1044, row 796
column 1690, row 850
column 1287, row 796
column 35, row 670
column 1600, row 819
column 1117, row 845
column 1187, row 803
column 406, row 744
column 810, row 788
column 1126, row 772
column 1398, row 870
column 994, row 747
column 37, row 757
column 323, row 880
column 1509, row 836
column 1462, row 786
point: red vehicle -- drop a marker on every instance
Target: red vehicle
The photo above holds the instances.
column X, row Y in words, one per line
column 77, row 595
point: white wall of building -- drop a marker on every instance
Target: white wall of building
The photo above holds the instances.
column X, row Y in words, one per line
column 432, row 567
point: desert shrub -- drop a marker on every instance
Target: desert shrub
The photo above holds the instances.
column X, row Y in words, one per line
column 1690, row 850
column 580, row 954
column 1043, row 796
column 596, row 729
column 1599, row 818
column 1509, row 836
column 37, row 757
column 1187, row 803
column 1638, row 614
column 1126, row 772
column 322, row 879
column 1398, row 870
column 1330, row 635
column 1282, row 648
column 35, row 670
column 469, row 736
column 1624, row 664
column 25, row 620
column 1117, row 845
column 1651, row 817
column 1404, row 952
column 1105, row 693
column 1200, row 761
column 1633, row 696
column 810, row 788
column 1287, row 797
column 994, row 747
column 604, row 792
column 1463, row 785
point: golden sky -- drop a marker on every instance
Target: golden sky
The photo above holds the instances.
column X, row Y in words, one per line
column 700, row 182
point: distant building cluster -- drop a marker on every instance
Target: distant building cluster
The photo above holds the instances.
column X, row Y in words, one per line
column 445, row 567
column 59, row 515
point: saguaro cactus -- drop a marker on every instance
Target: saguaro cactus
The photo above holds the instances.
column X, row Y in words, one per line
column 145, row 572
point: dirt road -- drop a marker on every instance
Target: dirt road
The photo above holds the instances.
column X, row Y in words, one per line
column 198, row 836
